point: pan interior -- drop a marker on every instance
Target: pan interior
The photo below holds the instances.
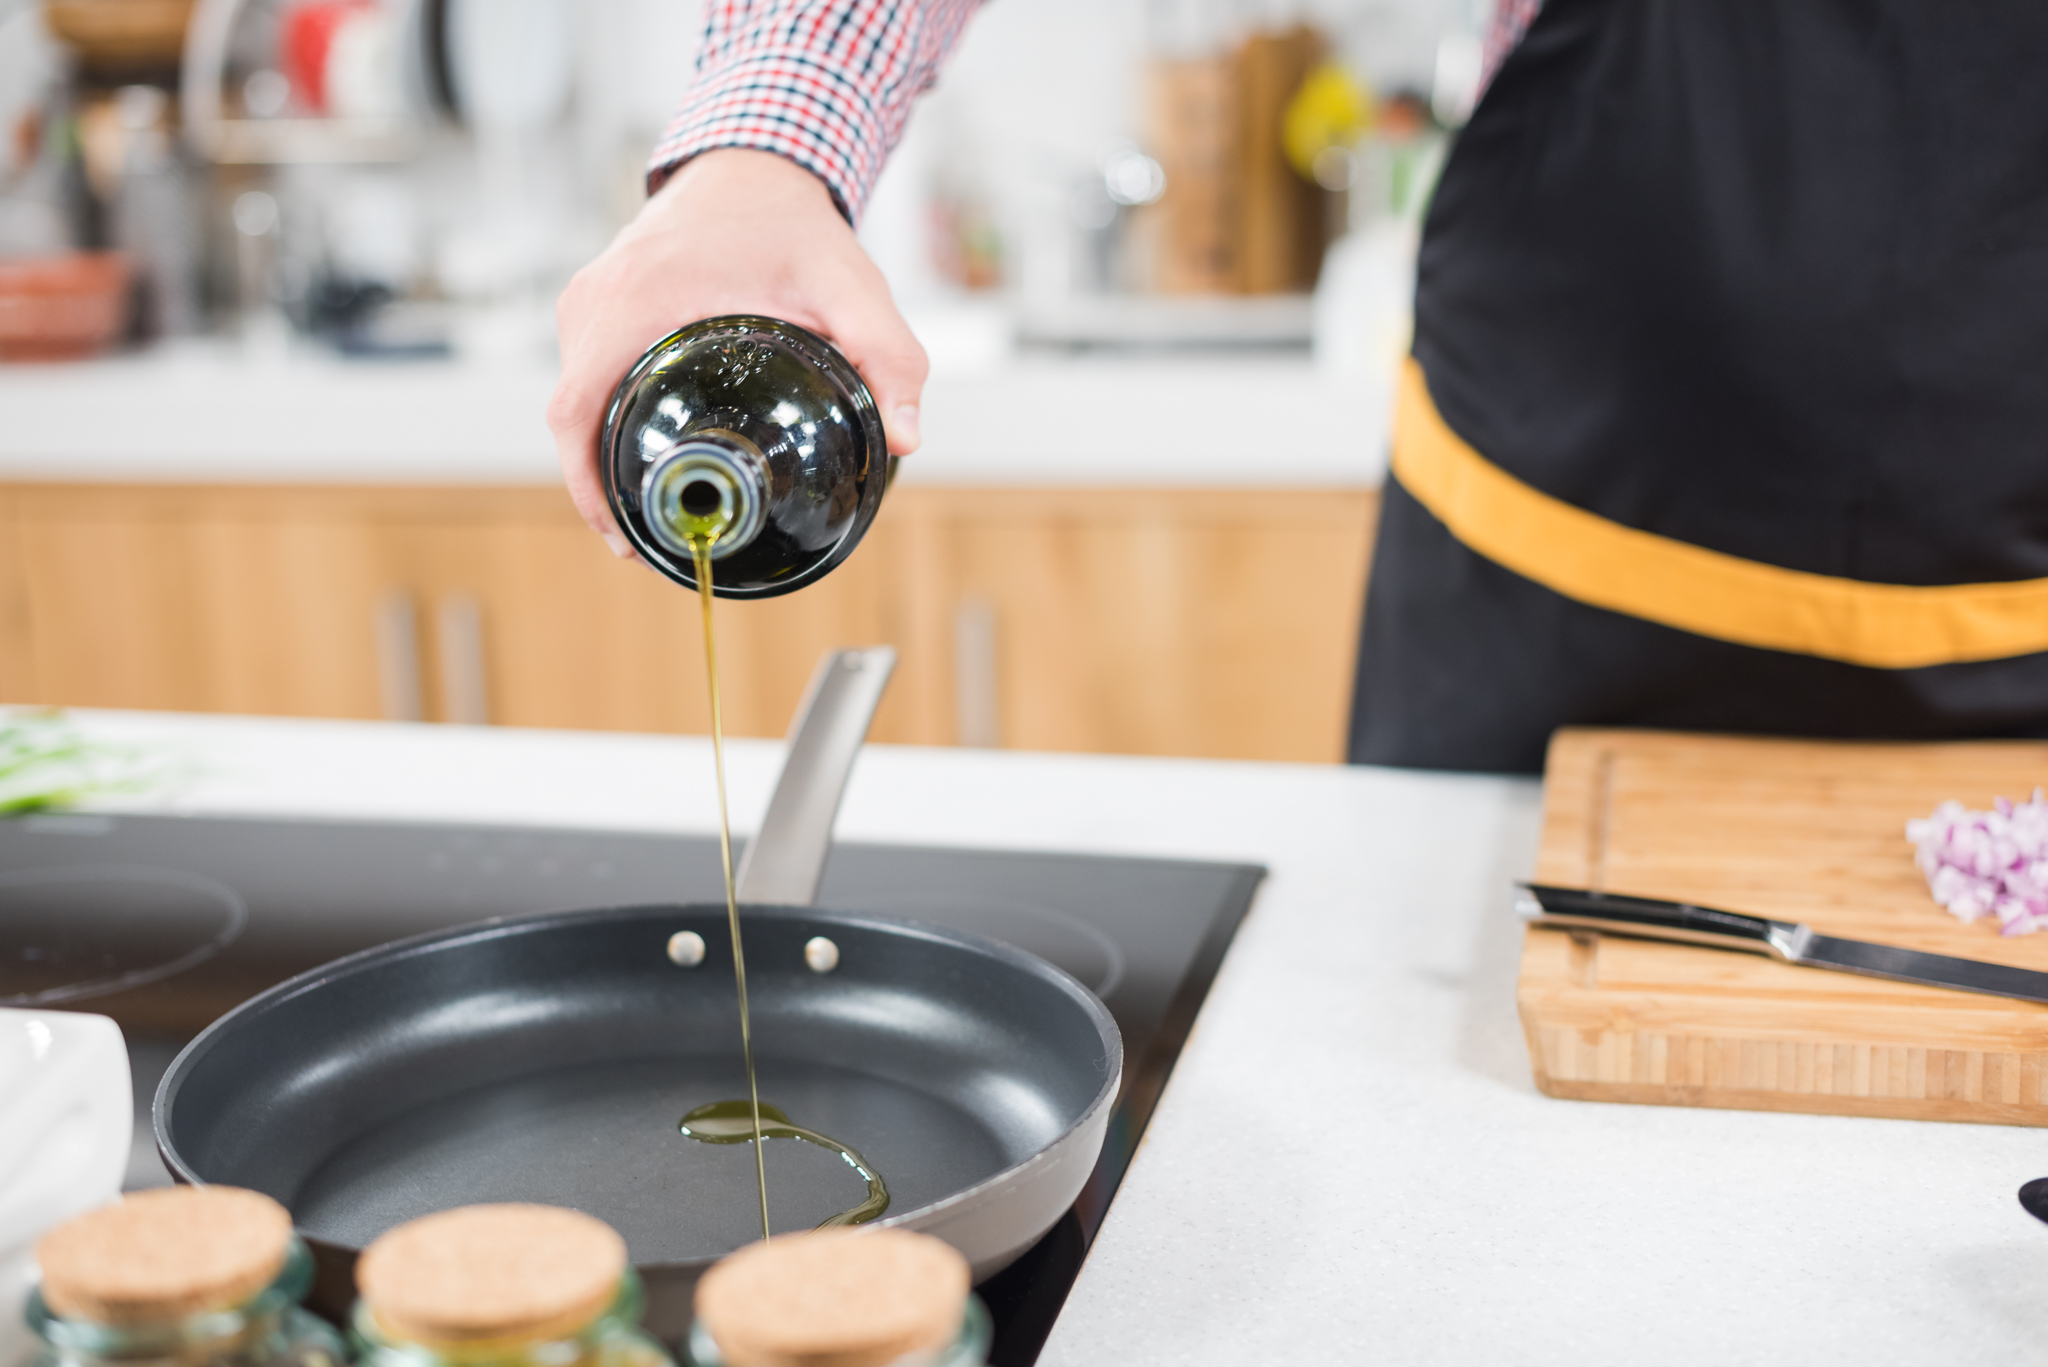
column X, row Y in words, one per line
column 603, row 1139
column 551, row 1060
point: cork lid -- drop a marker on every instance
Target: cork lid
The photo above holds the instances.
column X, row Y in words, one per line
column 160, row 1256
column 491, row 1272
column 834, row 1298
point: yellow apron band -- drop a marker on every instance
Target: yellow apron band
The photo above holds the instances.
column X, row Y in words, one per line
column 1605, row 564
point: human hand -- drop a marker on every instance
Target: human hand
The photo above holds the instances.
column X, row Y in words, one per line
column 733, row 231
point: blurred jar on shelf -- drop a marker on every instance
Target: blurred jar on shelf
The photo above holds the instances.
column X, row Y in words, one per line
column 140, row 176
column 369, row 294
column 342, row 59
column 1238, row 215
column 56, row 301
column 42, row 193
column 966, row 246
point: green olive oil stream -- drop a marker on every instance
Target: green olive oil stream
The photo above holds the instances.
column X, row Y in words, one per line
column 708, row 530
column 735, row 1122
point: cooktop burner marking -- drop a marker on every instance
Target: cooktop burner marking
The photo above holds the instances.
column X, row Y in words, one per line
column 80, row 931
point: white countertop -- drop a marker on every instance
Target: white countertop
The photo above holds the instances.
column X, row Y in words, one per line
column 1350, row 1162
column 203, row 412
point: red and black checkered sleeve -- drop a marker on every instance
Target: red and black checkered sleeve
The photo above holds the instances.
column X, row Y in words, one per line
column 826, row 83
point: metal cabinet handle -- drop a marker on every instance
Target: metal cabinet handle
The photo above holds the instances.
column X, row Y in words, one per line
column 460, row 632
column 398, row 657
column 976, row 714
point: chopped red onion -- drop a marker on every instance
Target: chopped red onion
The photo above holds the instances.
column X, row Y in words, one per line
column 1991, row 863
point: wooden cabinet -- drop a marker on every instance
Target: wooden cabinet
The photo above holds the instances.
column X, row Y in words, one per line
column 1141, row 621
column 1137, row 622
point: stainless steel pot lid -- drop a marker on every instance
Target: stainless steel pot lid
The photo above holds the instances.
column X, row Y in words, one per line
column 71, row 933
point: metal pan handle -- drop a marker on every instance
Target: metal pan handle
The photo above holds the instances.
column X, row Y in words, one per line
column 785, row 860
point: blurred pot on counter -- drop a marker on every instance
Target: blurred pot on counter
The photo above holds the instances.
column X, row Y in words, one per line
column 63, row 307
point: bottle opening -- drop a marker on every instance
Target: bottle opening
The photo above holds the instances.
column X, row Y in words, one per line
column 706, row 493
column 701, row 498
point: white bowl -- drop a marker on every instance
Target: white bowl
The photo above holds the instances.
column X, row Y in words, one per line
column 66, row 1120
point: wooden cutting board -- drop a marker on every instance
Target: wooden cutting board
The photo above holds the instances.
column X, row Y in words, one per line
column 1796, row 831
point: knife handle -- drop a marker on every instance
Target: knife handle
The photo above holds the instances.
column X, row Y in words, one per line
column 1649, row 918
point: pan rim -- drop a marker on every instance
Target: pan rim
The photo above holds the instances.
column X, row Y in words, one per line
column 967, row 1198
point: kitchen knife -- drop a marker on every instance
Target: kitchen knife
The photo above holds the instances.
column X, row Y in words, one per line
column 1648, row 918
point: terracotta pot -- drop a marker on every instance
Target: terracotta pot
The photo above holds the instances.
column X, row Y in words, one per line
column 62, row 308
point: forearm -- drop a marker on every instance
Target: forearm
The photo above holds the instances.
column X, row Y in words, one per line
column 827, row 84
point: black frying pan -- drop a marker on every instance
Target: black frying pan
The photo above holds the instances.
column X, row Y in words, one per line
column 550, row 1058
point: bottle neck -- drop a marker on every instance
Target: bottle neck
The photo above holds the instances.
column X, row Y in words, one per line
column 233, row 1334
column 711, row 487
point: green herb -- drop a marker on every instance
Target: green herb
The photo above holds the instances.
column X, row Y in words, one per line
column 46, row 763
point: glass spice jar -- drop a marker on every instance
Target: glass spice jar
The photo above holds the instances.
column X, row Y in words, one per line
column 848, row 1297
column 509, row 1285
column 969, row 1347
column 181, row 1277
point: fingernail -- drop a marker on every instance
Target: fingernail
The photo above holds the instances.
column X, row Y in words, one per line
column 618, row 545
column 905, row 422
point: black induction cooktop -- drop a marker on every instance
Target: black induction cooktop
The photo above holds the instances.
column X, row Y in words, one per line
column 164, row 923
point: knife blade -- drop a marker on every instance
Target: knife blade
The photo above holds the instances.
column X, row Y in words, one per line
column 1791, row 942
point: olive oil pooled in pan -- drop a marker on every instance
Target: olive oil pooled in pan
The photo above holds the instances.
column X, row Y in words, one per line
column 727, row 1122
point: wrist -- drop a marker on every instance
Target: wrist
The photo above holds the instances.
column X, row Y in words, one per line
column 748, row 171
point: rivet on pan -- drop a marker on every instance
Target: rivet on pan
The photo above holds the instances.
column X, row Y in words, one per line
column 821, row 954
column 686, row 948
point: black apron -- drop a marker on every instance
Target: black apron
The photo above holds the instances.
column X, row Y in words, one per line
column 1767, row 278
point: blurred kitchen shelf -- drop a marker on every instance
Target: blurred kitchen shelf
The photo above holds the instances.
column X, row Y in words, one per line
column 125, row 36
column 280, row 142
column 1168, row 323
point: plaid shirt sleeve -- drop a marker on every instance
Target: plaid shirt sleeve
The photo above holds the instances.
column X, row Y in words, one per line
column 825, row 83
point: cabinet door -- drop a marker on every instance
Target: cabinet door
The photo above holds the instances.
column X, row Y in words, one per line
column 562, row 634
column 1161, row 622
column 18, row 676
column 1139, row 622
column 198, row 599
column 443, row 604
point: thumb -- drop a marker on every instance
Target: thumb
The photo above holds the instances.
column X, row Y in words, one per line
column 889, row 357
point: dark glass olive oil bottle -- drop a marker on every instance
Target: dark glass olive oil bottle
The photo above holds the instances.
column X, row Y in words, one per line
column 755, row 433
